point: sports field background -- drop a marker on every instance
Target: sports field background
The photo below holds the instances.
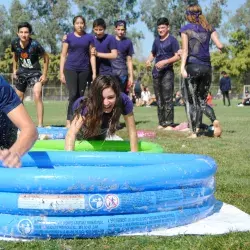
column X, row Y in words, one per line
column 231, row 152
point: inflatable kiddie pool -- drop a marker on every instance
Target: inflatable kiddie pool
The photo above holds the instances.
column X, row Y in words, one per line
column 52, row 132
column 118, row 146
column 94, row 194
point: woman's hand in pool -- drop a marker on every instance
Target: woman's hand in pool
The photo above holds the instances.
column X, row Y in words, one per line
column 74, row 128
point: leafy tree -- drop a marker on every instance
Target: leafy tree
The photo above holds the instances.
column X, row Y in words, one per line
column 241, row 20
column 174, row 10
column 237, row 60
column 18, row 14
column 110, row 11
column 4, row 30
column 50, row 19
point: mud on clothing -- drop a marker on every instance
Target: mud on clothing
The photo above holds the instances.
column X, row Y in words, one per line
column 198, row 66
column 163, row 79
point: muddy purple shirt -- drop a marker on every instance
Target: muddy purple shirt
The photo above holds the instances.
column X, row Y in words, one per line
column 163, row 50
column 78, row 58
column 198, row 43
column 104, row 45
column 124, row 48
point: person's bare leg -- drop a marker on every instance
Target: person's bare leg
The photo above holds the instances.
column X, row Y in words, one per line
column 20, row 94
column 217, row 128
column 37, row 91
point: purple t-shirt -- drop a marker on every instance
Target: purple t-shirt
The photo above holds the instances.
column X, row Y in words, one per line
column 126, row 108
column 198, row 43
column 8, row 101
column 163, row 50
column 78, row 58
column 104, row 45
column 119, row 65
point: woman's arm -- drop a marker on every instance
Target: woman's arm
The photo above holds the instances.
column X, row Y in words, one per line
column 184, row 40
column 215, row 39
column 92, row 62
column 74, row 128
column 62, row 61
column 130, row 124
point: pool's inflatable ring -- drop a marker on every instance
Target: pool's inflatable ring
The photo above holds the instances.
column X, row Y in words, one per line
column 52, row 132
column 118, row 146
column 93, row 194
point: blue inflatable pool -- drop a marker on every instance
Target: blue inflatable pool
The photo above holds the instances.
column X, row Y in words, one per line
column 93, row 194
column 52, row 132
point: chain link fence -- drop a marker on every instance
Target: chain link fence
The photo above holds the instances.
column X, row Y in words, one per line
column 53, row 90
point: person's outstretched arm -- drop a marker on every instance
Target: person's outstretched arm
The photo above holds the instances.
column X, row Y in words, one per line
column 184, row 39
column 130, row 124
column 215, row 39
column 28, row 135
column 74, row 128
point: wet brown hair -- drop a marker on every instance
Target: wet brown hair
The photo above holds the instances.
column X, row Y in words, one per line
column 94, row 106
column 194, row 15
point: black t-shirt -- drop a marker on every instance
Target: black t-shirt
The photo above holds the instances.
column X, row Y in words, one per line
column 28, row 57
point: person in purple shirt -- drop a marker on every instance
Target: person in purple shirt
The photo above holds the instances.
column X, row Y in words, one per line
column 122, row 66
column 13, row 116
column 105, row 48
column 165, row 52
column 77, row 63
column 98, row 115
column 196, row 68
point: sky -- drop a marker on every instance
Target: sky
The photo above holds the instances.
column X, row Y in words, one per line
column 232, row 5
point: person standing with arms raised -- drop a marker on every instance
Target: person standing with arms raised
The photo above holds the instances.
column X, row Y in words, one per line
column 77, row 63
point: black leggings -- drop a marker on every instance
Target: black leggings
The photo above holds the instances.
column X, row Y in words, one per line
column 195, row 89
column 76, row 82
column 226, row 95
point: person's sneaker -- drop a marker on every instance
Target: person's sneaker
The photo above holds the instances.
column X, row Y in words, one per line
column 240, row 105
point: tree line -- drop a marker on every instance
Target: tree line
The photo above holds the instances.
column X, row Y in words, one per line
column 51, row 19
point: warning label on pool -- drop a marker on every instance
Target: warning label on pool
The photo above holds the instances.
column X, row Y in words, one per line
column 55, row 202
column 111, row 201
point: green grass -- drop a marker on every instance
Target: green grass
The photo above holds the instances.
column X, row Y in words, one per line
column 231, row 152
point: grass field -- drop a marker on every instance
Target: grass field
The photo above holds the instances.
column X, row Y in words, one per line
column 231, row 152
